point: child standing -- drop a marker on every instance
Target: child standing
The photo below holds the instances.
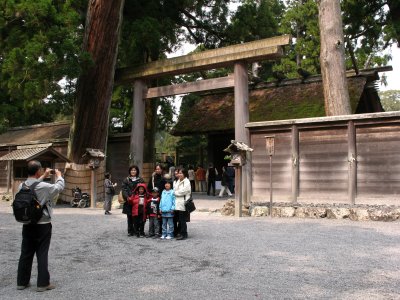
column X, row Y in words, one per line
column 153, row 212
column 138, row 200
column 167, row 207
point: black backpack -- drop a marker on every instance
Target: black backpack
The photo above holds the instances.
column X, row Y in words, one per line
column 26, row 206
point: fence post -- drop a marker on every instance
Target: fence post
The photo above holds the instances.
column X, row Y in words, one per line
column 295, row 163
column 352, row 159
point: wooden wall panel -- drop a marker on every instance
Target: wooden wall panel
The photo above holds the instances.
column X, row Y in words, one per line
column 323, row 163
column 378, row 171
column 118, row 161
column 281, row 167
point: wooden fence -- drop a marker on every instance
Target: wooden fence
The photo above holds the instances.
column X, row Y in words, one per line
column 351, row 159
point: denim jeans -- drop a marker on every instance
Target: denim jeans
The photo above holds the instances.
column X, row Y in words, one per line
column 168, row 226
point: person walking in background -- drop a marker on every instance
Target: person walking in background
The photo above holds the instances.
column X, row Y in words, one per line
column 36, row 237
column 182, row 190
column 128, row 186
column 211, row 176
column 230, row 171
column 224, row 184
column 109, row 189
column 191, row 176
column 153, row 213
column 201, row 179
column 167, row 207
column 138, row 201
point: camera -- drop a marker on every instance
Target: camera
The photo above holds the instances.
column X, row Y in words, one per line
column 52, row 172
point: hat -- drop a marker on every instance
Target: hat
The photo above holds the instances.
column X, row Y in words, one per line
column 155, row 190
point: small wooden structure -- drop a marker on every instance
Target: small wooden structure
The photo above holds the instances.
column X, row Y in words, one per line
column 17, row 162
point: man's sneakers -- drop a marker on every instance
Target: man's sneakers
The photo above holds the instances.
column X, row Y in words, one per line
column 22, row 287
column 38, row 289
column 45, row 288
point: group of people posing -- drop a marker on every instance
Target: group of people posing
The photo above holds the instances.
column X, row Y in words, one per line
column 161, row 201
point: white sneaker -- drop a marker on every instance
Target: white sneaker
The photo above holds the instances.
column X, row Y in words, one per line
column 169, row 238
column 162, row 237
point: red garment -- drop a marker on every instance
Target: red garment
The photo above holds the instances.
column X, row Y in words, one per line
column 135, row 198
column 200, row 174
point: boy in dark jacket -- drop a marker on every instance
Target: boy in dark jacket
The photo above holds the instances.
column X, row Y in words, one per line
column 153, row 212
column 138, row 200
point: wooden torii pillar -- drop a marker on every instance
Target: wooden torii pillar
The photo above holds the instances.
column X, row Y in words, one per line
column 237, row 55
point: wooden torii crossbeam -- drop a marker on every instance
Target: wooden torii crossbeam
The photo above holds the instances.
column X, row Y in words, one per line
column 237, row 55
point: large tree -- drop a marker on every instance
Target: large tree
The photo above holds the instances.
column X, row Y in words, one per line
column 333, row 70
column 95, row 85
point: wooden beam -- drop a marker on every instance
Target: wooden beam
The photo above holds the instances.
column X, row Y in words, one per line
column 253, row 51
column 137, row 132
column 190, row 87
column 241, row 118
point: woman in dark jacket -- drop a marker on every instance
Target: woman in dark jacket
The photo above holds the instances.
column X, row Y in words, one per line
column 128, row 186
column 157, row 179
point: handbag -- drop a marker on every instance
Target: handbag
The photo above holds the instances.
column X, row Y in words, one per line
column 189, row 204
column 121, row 199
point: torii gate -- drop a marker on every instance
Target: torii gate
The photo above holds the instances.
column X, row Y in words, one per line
column 237, row 55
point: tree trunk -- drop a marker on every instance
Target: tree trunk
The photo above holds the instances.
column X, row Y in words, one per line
column 333, row 69
column 394, row 12
column 91, row 112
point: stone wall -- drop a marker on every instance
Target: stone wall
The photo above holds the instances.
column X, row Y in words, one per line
column 335, row 211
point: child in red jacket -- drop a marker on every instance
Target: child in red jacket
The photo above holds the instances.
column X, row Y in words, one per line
column 153, row 212
column 138, row 201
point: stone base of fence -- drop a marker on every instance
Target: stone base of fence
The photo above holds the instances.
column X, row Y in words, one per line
column 330, row 211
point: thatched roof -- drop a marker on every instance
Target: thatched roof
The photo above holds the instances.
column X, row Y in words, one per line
column 36, row 134
column 215, row 113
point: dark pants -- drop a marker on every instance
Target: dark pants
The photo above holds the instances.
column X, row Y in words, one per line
column 129, row 220
column 211, row 183
column 180, row 219
column 138, row 224
column 35, row 239
column 193, row 185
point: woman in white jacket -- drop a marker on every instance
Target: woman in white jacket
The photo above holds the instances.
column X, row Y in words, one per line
column 182, row 191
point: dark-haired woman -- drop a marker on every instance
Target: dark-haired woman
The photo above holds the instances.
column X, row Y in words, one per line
column 182, row 189
column 128, row 186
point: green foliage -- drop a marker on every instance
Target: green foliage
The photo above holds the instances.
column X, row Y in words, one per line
column 390, row 100
column 39, row 46
column 368, row 30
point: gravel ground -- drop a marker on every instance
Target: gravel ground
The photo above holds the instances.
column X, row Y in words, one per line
column 91, row 257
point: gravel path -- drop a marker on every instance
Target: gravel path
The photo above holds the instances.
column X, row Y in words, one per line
column 224, row 258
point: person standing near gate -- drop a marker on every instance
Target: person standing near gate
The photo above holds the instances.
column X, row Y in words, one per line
column 36, row 237
column 211, row 176
column 128, row 186
column 109, row 189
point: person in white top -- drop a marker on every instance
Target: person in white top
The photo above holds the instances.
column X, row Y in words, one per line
column 182, row 189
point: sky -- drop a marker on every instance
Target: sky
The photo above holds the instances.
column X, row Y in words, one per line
column 393, row 77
